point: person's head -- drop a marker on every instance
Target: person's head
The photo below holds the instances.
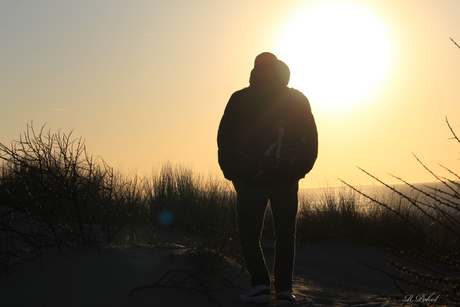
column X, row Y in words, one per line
column 264, row 59
column 269, row 72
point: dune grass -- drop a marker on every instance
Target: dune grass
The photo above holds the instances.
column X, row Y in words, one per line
column 381, row 219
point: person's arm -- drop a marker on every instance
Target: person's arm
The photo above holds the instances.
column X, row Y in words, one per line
column 310, row 152
column 226, row 139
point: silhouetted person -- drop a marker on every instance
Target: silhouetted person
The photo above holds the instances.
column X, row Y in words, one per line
column 267, row 142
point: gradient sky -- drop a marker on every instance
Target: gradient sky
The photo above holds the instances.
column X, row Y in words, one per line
column 146, row 82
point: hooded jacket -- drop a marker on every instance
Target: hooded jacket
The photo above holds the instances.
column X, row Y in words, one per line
column 249, row 117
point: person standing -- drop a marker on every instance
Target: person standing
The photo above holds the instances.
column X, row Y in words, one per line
column 267, row 141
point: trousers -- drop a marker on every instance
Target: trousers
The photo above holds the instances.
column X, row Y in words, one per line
column 252, row 202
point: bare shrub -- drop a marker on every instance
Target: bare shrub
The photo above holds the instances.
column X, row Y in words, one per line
column 434, row 214
column 53, row 192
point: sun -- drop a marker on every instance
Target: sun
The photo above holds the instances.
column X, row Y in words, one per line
column 339, row 53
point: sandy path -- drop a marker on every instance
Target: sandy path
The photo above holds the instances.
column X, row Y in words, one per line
column 326, row 275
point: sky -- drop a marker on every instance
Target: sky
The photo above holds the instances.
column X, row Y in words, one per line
column 146, row 82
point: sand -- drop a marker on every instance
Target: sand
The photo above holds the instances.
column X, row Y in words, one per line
column 326, row 274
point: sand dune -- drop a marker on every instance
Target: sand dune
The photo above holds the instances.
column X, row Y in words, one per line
column 325, row 275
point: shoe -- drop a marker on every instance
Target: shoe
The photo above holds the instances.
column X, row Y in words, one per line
column 285, row 297
column 258, row 295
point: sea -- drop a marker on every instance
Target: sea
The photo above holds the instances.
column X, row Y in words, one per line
column 449, row 191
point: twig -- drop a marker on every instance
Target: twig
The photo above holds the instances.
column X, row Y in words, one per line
column 454, row 42
column 202, row 289
column 391, row 209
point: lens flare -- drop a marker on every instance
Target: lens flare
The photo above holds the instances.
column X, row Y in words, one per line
column 165, row 218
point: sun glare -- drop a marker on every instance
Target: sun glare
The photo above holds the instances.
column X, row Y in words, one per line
column 339, row 54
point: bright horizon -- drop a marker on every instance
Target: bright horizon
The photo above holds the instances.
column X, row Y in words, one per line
column 147, row 82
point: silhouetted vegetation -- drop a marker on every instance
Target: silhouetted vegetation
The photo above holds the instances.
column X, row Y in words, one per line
column 54, row 193
column 430, row 217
